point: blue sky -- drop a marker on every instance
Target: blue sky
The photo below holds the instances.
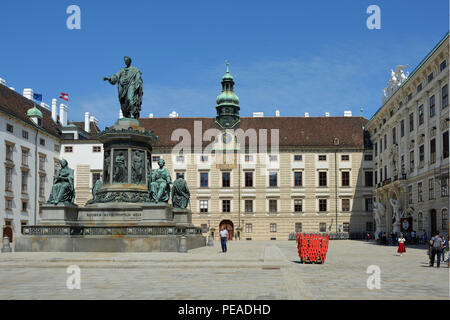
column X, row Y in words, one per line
column 295, row 56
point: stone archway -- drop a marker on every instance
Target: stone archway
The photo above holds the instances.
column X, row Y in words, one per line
column 229, row 226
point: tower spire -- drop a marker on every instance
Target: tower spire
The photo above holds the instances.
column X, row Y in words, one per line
column 227, row 102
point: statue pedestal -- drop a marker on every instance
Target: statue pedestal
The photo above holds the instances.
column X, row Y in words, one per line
column 58, row 214
column 182, row 216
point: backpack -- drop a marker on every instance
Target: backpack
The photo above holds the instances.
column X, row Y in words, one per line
column 437, row 242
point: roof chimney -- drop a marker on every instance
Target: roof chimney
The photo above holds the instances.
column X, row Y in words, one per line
column 151, row 115
column 63, row 114
column 94, row 120
column 258, row 114
column 347, row 113
column 87, row 122
column 28, row 93
column 3, row 81
column 306, row 114
column 277, row 113
column 44, row 105
column 55, row 110
column 327, row 114
column 174, row 114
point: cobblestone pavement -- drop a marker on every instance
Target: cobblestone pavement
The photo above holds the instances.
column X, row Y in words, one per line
column 249, row 270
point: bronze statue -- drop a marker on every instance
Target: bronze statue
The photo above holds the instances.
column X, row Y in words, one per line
column 180, row 194
column 63, row 190
column 98, row 184
column 138, row 167
column 120, row 168
column 160, row 185
column 130, row 88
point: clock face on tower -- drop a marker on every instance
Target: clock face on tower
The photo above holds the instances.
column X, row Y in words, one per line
column 226, row 138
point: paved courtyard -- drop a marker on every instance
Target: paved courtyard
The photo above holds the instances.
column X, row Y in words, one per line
column 249, row 270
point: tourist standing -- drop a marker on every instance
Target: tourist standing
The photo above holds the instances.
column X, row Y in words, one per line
column 444, row 247
column 223, row 238
column 401, row 244
column 436, row 249
column 384, row 238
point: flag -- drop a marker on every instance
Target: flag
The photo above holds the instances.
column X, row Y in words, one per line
column 64, row 96
column 37, row 97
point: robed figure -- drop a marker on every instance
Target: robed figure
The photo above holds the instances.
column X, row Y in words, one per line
column 160, row 185
column 180, row 194
column 130, row 88
column 63, row 190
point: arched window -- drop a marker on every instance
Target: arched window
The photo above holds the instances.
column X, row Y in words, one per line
column 444, row 219
column 420, row 222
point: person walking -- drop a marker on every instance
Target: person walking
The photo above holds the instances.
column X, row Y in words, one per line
column 401, row 244
column 444, row 247
column 223, row 238
column 436, row 249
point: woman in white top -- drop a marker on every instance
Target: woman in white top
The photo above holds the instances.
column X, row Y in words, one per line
column 401, row 244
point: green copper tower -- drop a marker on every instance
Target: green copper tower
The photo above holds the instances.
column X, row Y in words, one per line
column 227, row 103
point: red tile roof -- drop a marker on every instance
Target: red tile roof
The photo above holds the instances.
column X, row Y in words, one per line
column 17, row 106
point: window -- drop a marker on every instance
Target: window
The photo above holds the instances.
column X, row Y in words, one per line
column 95, row 177
column 419, row 192
column 432, row 106
column 381, row 174
column 419, row 88
column 248, row 158
column 322, row 179
column 410, row 195
column 57, row 147
column 204, row 179
column 345, row 205
column 8, row 178
column 225, row 179
column 345, row 157
column 322, row 157
column 24, row 206
column 368, row 178
column 180, row 159
column 96, row 149
column 41, row 186
column 402, row 128
column 42, row 159
column 204, row 158
column 25, row 155
column 25, row 134
column 376, row 177
column 298, row 181
column 368, row 157
column 346, row 226
column 394, row 135
column 445, row 145
column 431, row 189
column 298, row 157
column 369, row 204
column 323, row 227
column 273, row 158
column 430, row 77
column 9, row 152
column 444, row 187
column 322, row 205
column 298, row 205
column 345, row 178
column 9, row 128
column 445, row 96
column 421, row 155
column 444, row 219
column 443, row 65
column 298, row 227
column 420, row 221
column 248, row 228
column 273, row 179
column 8, row 204
column 24, row 181
column 68, row 149
column 421, row 118
column 273, row 205
column 42, row 142
column 376, row 149
column 411, row 161
column 248, row 205
column 385, row 142
column 273, row 227
column 411, row 122
column 226, row 205
column 249, row 179
column 203, row 206
column 156, row 158
column 385, row 172
column 433, row 151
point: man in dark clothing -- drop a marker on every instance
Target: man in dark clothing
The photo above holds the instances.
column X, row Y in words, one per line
column 436, row 249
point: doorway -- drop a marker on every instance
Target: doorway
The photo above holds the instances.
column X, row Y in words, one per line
column 8, row 232
column 229, row 226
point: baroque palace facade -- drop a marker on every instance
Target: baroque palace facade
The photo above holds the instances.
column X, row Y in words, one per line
column 411, row 145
